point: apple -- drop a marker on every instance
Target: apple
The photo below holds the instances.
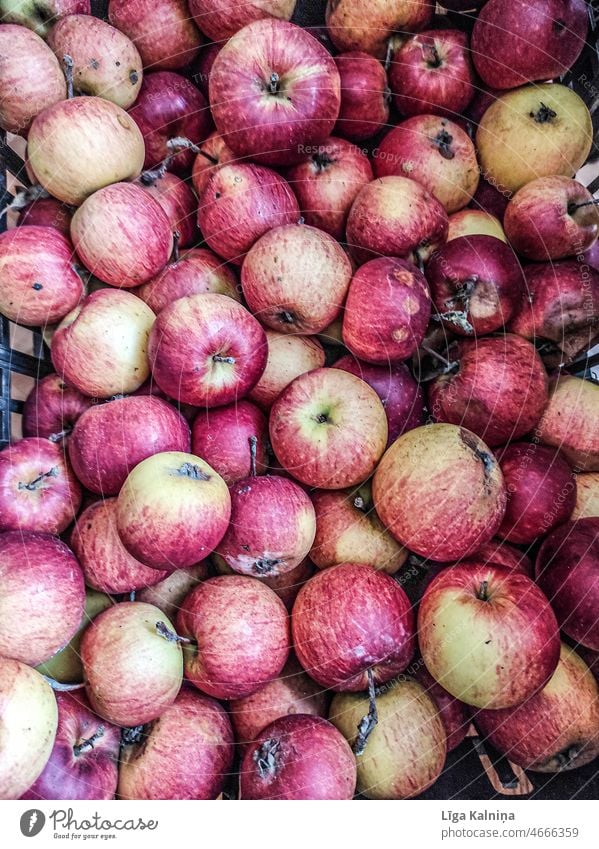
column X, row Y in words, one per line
column 110, row 439
column 387, row 311
column 455, row 715
column 46, row 212
column 169, row 593
column 170, row 107
column 542, row 40
column 132, row 672
column 592, row 256
column 240, row 203
column 487, row 635
column 83, row 763
column 105, row 62
column 566, row 570
column 178, row 203
column 222, row 19
column 396, row 216
column 548, row 125
column 38, row 489
column 352, row 27
column 31, row 78
column 432, row 73
column 206, row 350
column 327, row 181
column 455, row 480
column 349, row 530
column 163, row 31
column 273, row 90
column 52, row 408
column 365, row 96
column 499, row 390
column 587, row 496
column 406, row 751
column 328, row 429
column 298, row 757
column 488, row 198
column 474, row 222
column 212, row 153
column 476, row 284
column 556, row 729
column 81, row 145
column 38, row 281
column 591, row 658
column 29, row 720
column 498, row 552
column 288, row 357
column 41, row 596
column 239, row 635
column 185, row 754
column 568, row 421
column 221, row 436
column 41, row 15
column 100, row 348
column 370, row 636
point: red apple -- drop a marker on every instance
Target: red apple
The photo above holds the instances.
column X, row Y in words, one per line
column 327, row 182
column 487, row 635
column 591, row 658
column 52, row 408
column 454, row 714
column 201, row 67
column 568, row 422
column 163, row 31
column 213, row 153
column 474, row 222
column 396, row 216
column 239, row 634
column 286, row 586
column 298, row 757
column 273, row 90
column 41, row 15
column 172, row 510
column 328, row 429
column 365, row 96
column 47, row 212
column 288, row 357
column 168, row 594
column 178, row 203
column 592, row 256
column 456, row 482
column 41, row 596
column 498, row 552
column 83, row 762
column 351, row 26
column 587, row 496
column 222, row 19
column 489, row 198
column 221, row 436
column 185, row 754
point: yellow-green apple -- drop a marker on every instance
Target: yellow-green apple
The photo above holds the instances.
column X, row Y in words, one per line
column 365, row 96
column 473, row 222
column 169, row 593
column 221, row 436
column 164, row 32
column 587, row 496
column 351, row 26
column 219, row 21
column 41, row 15
column 455, row 715
column 178, row 202
column 52, row 408
column 288, row 357
column 568, row 422
column 213, row 152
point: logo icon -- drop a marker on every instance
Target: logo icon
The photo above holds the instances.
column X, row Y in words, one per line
column 32, row 822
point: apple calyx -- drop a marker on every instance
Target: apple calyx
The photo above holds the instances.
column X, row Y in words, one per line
column 37, row 482
column 132, row 736
column 286, row 317
column 190, row 470
column 369, row 722
column 266, row 758
column 483, row 591
column 486, row 459
column 544, row 114
column 443, row 142
column 266, row 567
column 163, row 631
column 322, row 161
column 434, row 60
column 78, row 748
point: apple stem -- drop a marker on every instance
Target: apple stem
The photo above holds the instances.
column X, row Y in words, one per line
column 389, row 54
column 89, row 743
column 181, row 143
column 56, row 437
column 207, row 156
column 130, row 736
column 273, row 85
column 170, row 636
column 152, row 175
column 132, row 595
column 449, row 365
column 457, row 317
column 218, row 358
column 574, row 206
column 175, row 253
column 359, row 503
column 23, row 198
column 62, row 688
column 369, row 722
column 34, row 484
column 68, row 72
column 286, row 317
column 483, row 591
column 253, row 452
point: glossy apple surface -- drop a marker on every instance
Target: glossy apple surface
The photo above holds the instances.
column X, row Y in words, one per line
column 365, row 95
column 52, row 408
column 178, row 202
column 163, row 32
column 221, row 436
column 288, row 357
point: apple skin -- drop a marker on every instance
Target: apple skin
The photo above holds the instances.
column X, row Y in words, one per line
column 295, row 279
column 81, row 145
column 352, row 27
column 31, row 78
column 591, row 658
column 401, row 395
column 286, row 586
column 476, row 284
column 113, row 250
column 219, row 21
column 214, row 152
column 435, row 152
column 541, row 491
column 365, row 96
column 542, row 39
column 327, row 181
column 307, row 759
column 38, row 281
column 52, row 408
column 387, row 311
column 47, row 212
column 556, row 729
column 498, row 552
column 163, row 32
column 41, row 597
column 169, row 593
column 274, row 126
column 108, row 329
column 568, row 422
column 221, row 437
column 272, row 526
column 488, row 198
column 172, row 510
column 187, row 337
column 241, row 633
column 476, row 638
column 41, row 16
column 178, row 203
column 288, row 357
column 347, row 527
column 91, row 773
column 29, row 721
column 197, row 271
column 105, row 62
column 499, row 391
column 135, row 428
column 372, row 628
column 547, row 145
column 328, row 429
column 170, row 106
column 455, row 715
column 38, row 489
column 243, row 194
column 473, row 498
column 587, row 496
column 566, row 568
column 395, row 216
column 406, row 751
column 432, row 73
column 474, row 222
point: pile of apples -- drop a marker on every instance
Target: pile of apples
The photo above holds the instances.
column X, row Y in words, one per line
column 310, row 489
